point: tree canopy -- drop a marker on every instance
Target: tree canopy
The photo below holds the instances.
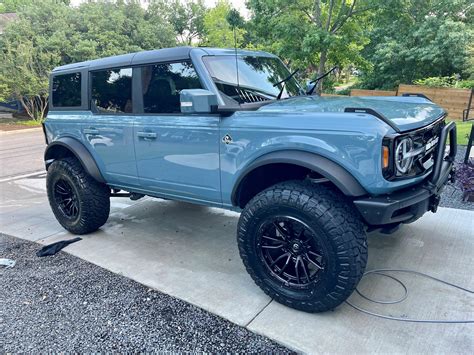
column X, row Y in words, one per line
column 389, row 42
column 415, row 39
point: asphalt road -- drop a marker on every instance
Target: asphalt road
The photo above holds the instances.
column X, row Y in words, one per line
column 21, row 152
column 62, row 304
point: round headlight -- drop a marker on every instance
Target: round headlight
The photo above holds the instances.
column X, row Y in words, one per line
column 404, row 160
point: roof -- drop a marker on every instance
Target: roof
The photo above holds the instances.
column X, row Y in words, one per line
column 153, row 56
column 6, row 18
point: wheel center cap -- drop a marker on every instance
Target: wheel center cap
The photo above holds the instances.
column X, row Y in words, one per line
column 296, row 247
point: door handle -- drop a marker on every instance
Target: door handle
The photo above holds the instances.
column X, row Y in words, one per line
column 90, row 130
column 147, row 135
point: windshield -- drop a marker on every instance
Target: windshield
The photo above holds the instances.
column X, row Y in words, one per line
column 257, row 75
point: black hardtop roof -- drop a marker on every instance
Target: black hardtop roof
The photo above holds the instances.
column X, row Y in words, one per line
column 165, row 54
column 153, row 56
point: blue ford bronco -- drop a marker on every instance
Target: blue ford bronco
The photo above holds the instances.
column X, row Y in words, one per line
column 310, row 175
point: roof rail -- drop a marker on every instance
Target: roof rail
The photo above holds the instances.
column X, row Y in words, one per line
column 372, row 112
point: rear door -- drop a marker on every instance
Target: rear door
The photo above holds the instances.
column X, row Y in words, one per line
column 177, row 154
column 109, row 130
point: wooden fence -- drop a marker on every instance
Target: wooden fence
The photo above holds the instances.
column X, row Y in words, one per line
column 360, row 92
column 454, row 101
column 324, row 94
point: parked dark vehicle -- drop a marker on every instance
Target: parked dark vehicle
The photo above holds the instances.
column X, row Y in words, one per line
column 310, row 174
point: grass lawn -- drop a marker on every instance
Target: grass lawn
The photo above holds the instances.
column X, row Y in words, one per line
column 463, row 130
column 31, row 123
column 17, row 122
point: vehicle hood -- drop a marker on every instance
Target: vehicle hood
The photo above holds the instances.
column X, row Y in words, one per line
column 406, row 113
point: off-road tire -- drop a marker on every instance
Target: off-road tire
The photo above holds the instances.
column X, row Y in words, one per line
column 339, row 230
column 93, row 197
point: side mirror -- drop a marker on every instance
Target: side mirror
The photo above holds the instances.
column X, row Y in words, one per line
column 198, row 101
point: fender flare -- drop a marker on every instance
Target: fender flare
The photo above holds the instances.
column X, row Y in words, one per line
column 79, row 151
column 339, row 176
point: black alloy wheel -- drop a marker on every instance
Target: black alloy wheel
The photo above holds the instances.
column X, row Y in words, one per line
column 66, row 199
column 288, row 248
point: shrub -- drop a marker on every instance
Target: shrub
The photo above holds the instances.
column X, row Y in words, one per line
column 446, row 82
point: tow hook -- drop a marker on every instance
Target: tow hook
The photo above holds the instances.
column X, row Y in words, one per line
column 452, row 176
column 434, row 203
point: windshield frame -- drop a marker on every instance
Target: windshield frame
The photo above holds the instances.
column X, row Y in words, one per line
column 265, row 95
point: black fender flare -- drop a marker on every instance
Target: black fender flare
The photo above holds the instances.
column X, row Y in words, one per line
column 79, row 151
column 332, row 171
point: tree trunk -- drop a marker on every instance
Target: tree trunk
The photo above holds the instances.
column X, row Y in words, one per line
column 26, row 105
column 321, row 68
column 35, row 106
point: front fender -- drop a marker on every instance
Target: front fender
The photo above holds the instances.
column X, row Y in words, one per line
column 59, row 147
column 327, row 168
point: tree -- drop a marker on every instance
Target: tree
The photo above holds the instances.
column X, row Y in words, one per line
column 13, row 5
column 186, row 18
column 415, row 39
column 51, row 33
column 218, row 32
column 311, row 33
column 24, row 77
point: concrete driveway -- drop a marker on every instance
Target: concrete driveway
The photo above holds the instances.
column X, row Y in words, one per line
column 190, row 252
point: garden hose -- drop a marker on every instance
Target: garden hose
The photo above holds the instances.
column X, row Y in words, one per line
column 382, row 272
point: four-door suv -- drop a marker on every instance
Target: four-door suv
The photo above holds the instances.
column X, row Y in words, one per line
column 310, row 174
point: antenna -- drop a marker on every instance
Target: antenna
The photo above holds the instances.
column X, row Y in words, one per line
column 236, row 58
column 234, row 19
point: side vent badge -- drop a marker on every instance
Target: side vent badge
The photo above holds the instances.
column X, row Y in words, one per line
column 227, row 139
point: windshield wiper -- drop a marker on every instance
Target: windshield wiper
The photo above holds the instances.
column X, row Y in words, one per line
column 284, row 82
column 316, row 81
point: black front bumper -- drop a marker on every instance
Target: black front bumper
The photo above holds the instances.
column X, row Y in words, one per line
column 409, row 204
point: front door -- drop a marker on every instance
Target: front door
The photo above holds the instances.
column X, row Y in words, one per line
column 177, row 154
column 109, row 129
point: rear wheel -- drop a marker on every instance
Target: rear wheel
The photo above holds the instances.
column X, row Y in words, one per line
column 80, row 203
column 303, row 244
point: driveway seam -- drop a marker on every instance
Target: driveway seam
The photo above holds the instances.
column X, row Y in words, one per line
column 258, row 313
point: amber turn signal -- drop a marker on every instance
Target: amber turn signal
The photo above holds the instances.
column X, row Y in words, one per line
column 384, row 157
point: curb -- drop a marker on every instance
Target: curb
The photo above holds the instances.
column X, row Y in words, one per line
column 20, row 130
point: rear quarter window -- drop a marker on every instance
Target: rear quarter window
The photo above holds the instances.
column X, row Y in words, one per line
column 66, row 90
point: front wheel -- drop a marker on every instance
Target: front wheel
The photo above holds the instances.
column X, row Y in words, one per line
column 303, row 244
column 80, row 204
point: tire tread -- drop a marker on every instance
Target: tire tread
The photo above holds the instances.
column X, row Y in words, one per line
column 94, row 196
column 339, row 219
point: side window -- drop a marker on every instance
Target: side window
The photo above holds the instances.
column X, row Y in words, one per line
column 111, row 90
column 67, row 90
column 162, row 83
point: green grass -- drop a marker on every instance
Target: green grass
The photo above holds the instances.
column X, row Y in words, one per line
column 31, row 123
column 463, row 130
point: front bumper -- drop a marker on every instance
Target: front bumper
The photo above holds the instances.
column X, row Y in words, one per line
column 407, row 205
